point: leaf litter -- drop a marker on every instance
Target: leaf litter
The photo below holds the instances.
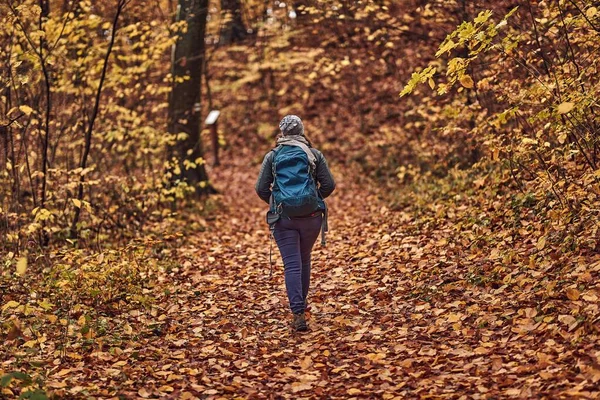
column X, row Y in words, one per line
column 401, row 305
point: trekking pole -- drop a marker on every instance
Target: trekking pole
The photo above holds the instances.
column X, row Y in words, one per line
column 271, row 254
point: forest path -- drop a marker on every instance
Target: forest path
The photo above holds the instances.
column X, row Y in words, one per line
column 235, row 320
column 392, row 313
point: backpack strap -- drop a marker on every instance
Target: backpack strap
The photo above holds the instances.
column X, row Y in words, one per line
column 275, row 150
column 276, row 213
column 312, row 159
column 324, row 226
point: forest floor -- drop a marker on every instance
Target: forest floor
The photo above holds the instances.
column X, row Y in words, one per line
column 393, row 315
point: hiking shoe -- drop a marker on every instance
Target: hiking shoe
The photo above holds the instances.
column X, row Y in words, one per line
column 299, row 322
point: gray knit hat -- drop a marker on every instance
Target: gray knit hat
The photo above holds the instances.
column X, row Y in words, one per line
column 291, row 125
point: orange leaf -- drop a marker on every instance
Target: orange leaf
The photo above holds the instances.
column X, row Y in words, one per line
column 573, row 294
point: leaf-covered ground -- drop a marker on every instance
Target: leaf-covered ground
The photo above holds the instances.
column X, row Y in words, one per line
column 405, row 303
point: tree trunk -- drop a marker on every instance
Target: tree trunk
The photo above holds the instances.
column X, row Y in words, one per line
column 184, row 102
column 234, row 29
column 90, row 127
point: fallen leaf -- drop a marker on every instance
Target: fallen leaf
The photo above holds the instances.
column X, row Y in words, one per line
column 452, row 317
column 10, row 304
column 306, row 363
column 301, row 386
column 567, row 319
column 466, row 81
column 573, row 294
column 21, row 266
column 565, row 107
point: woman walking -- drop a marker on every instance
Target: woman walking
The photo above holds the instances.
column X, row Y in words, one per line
column 294, row 180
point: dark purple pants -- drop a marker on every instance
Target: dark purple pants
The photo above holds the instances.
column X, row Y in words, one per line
column 295, row 239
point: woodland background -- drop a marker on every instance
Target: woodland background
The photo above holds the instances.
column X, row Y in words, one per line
column 464, row 134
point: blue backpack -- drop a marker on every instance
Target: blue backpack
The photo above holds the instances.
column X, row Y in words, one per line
column 294, row 187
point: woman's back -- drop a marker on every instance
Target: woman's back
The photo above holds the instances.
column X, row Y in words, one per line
column 294, row 180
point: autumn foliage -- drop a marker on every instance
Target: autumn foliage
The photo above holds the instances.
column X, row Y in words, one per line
column 464, row 253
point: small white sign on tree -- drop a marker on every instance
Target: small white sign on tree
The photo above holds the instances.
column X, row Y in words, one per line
column 212, row 117
column 211, row 120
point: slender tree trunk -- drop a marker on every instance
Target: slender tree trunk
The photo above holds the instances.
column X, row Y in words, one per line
column 45, row 7
column 90, row 127
column 185, row 98
column 234, row 29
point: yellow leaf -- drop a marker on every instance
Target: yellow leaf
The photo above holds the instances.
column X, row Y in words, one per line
column 10, row 304
column 529, row 141
column 353, row 391
column 76, row 202
column 26, row 110
column 431, row 83
column 541, row 243
column 453, row 318
column 591, row 12
column 467, row 81
column 565, row 107
column 21, row 266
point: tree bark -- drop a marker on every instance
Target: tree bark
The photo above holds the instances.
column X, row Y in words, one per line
column 234, row 29
column 185, row 98
column 45, row 7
